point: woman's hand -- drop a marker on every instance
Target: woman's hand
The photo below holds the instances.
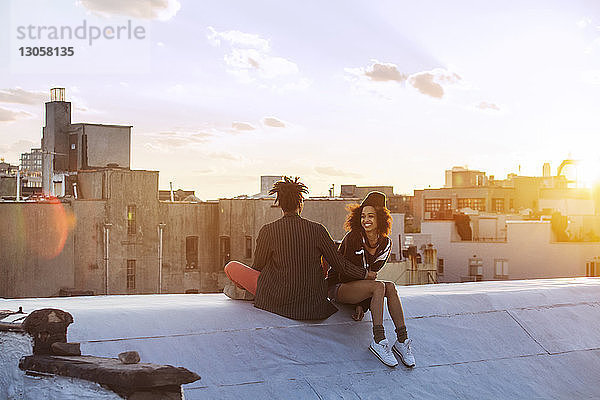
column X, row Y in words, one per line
column 371, row 275
column 359, row 313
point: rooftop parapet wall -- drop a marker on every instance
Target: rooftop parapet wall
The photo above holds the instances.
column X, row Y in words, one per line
column 516, row 339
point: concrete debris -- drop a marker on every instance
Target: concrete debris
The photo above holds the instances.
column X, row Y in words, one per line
column 66, row 349
column 47, row 326
column 129, row 357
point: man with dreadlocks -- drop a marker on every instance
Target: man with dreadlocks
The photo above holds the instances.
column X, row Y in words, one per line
column 287, row 277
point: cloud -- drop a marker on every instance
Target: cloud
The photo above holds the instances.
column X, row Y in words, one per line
column 145, row 9
column 430, row 82
column 167, row 141
column 262, row 64
column 242, row 126
column 273, row 122
column 488, row 106
column 249, row 59
column 7, row 115
column 178, row 89
column 424, row 83
column 237, row 38
column 201, row 136
column 203, row 171
column 385, row 79
column 378, row 72
column 20, row 146
column 584, row 22
column 299, row 85
column 192, row 137
column 223, row 155
column 383, row 72
column 332, row 171
column 591, row 77
column 21, row 96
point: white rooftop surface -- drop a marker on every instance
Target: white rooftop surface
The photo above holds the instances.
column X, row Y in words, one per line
column 509, row 339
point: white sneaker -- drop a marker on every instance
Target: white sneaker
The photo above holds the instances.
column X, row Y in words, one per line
column 383, row 352
column 404, row 351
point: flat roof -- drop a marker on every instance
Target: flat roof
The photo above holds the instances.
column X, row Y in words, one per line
column 503, row 339
column 107, row 125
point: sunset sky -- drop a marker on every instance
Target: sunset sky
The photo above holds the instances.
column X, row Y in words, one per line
column 337, row 92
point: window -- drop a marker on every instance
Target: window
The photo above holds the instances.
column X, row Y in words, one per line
column 224, row 250
column 476, row 267
column 130, row 274
column 438, row 208
column 248, row 246
column 440, row 266
column 131, row 219
column 501, row 271
column 512, row 204
column 498, row 205
column 473, row 204
column 438, row 204
column 191, row 252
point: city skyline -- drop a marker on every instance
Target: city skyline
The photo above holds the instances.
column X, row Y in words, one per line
column 392, row 93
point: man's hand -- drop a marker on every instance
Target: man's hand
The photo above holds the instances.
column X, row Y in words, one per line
column 371, row 275
column 359, row 313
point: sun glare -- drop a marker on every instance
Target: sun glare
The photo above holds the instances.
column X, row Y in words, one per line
column 590, row 173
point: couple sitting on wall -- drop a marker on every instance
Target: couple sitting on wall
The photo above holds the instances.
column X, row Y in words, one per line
column 287, row 277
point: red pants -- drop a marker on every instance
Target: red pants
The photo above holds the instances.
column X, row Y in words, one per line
column 242, row 275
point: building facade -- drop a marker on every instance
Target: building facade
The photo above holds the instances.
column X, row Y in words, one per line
column 31, row 168
column 473, row 190
column 508, row 249
column 115, row 238
column 68, row 148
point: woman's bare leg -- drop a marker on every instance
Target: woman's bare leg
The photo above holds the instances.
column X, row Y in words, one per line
column 356, row 291
column 394, row 305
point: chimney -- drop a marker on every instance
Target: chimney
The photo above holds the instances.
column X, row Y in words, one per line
column 546, row 172
column 57, row 94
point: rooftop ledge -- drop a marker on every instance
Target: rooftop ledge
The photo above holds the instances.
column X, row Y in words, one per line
column 507, row 339
column 124, row 379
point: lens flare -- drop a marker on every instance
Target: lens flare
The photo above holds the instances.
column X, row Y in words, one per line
column 591, row 173
column 48, row 227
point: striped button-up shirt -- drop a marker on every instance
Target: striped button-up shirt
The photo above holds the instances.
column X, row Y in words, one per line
column 291, row 283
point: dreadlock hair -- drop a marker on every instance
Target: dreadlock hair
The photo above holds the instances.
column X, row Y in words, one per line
column 384, row 219
column 290, row 193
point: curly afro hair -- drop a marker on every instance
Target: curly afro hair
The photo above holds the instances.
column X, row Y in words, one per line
column 384, row 219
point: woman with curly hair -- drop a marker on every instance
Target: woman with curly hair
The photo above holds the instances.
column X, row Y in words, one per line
column 367, row 244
